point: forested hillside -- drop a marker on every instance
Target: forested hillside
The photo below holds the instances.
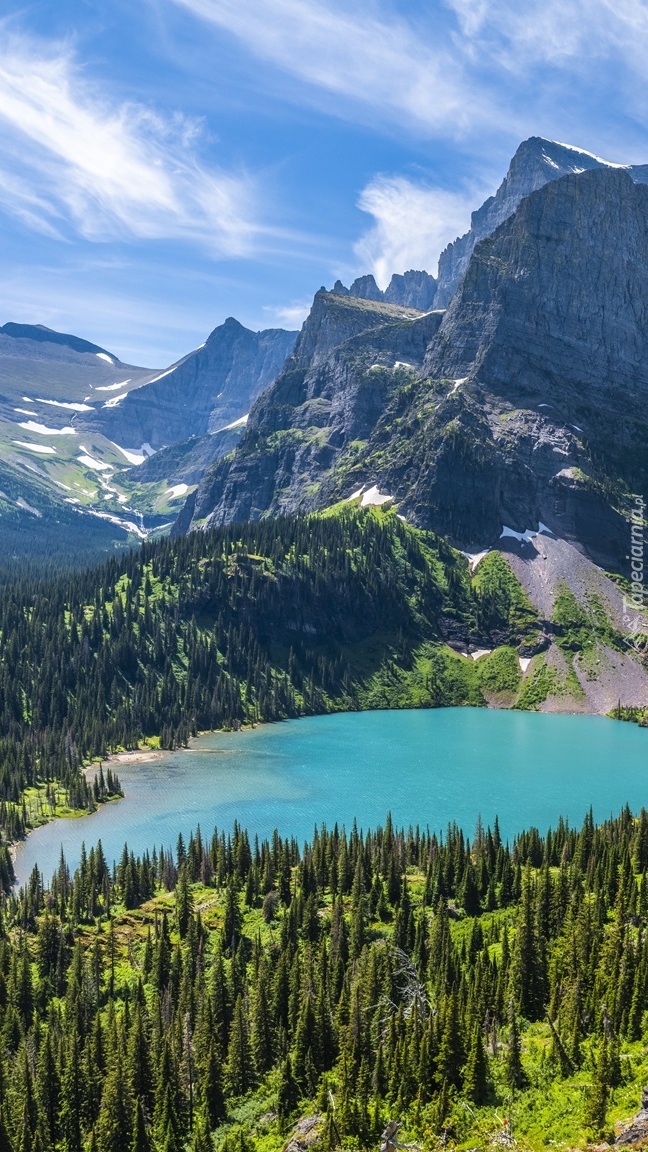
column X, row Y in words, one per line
column 253, row 622
column 479, row 993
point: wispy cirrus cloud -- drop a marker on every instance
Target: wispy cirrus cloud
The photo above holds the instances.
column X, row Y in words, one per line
column 71, row 158
column 289, row 315
column 372, row 59
column 466, row 71
column 412, row 224
column 563, row 33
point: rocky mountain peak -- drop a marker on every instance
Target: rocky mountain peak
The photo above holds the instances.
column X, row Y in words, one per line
column 204, row 392
column 334, row 318
column 536, row 162
column 413, row 289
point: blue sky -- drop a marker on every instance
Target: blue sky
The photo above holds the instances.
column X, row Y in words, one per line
column 167, row 163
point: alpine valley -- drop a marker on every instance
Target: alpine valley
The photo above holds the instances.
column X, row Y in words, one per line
column 432, row 496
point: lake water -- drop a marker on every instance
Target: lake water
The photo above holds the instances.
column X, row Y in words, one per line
column 426, row 767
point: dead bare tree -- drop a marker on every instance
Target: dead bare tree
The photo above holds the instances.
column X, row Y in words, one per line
column 388, row 1141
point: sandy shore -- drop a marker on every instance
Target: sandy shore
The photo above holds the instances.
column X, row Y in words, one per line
column 139, row 756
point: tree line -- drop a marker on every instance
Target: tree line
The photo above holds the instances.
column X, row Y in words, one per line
column 247, row 623
column 142, row 1003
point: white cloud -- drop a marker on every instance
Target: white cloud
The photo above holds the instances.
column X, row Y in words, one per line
column 72, row 157
column 375, row 60
column 291, row 315
column 413, row 223
column 558, row 32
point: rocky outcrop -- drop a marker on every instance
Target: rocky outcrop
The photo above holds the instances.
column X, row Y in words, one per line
column 537, row 162
column 307, row 1134
column 414, row 289
column 204, row 392
column 411, row 290
column 636, row 1133
column 334, row 318
column 187, row 462
column 351, row 358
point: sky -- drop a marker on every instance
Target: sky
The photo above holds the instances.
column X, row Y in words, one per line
column 165, row 164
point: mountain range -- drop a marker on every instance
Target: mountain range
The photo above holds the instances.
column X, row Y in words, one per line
column 501, row 405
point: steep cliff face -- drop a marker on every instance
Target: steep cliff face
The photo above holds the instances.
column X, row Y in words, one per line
column 351, row 357
column 414, row 289
column 524, row 403
column 537, row 162
column 204, row 392
column 336, row 317
column 550, row 326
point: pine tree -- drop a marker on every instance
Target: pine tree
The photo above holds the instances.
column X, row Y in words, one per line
column 202, row 1139
column 475, row 1079
column 239, row 1062
column 184, row 900
column 598, row 1095
column 114, row 1127
column 287, row 1092
column 140, row 1140
column 515, row 1077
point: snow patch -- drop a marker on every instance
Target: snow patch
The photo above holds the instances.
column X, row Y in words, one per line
column 584, row 152
column 457, row 384
column 524, row 662
column 64, row 404
column 177, row 490
column 127, row 525
column 90, row 462
column 473, row 558
column 240, row 423
column 527, row 535
column 132, row 457
column 147, row 450
column 163, row 374
column 43, row 430
column 104, row 356
column 25, row 412
column 545, row 405
column 374, row 498
column 355, row 495
column 112, row 387
column 404, row 364
column 44, row 449
column 575, row 427
column 115, row 400
column 481, row 652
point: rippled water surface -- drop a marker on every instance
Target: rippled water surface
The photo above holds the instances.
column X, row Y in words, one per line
column 426, row 767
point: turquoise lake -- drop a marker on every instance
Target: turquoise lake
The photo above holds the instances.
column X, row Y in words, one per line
column 426, row 767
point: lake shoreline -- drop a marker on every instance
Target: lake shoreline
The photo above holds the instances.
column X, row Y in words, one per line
column 141, row 755
column 146, row 755
column 418, row 763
